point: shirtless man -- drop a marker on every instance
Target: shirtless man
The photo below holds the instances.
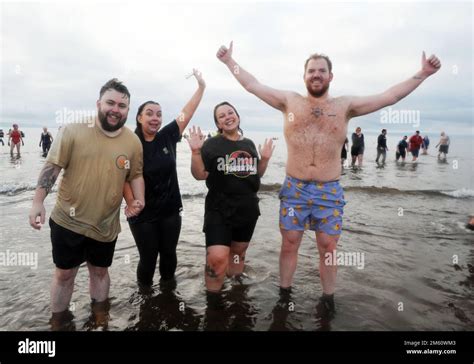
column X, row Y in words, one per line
column 315, row 127
column 443, row 146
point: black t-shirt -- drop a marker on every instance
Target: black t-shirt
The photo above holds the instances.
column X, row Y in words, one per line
column 162, row 195
column 233, row 180
column 357, row 141
column 382, row 142
column 46, row 138
column 402, row 145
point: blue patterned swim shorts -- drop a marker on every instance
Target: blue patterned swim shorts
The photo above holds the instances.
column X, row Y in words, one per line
column 311, row 205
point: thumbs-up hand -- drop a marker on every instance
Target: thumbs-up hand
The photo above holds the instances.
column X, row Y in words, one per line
column 224, row 54
column 430, row 65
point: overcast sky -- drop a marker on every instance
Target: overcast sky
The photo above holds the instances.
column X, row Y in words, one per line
column 57, row 56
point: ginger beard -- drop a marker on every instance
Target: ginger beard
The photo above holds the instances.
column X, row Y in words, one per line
column 316, row 90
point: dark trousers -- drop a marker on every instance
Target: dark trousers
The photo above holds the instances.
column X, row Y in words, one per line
column 160, row 237
column 383, row 153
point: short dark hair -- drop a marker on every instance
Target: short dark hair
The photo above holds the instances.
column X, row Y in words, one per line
column 384, row 130
column 418, row 132
column 114, row 84
column 318, row 56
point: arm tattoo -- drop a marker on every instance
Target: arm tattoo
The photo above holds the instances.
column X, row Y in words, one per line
column 48, row 177
column 417, row 77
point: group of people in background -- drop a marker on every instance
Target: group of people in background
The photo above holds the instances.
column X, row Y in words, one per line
column 405, row 145
column 15, row 140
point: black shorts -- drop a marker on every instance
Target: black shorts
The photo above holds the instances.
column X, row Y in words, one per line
column 402, row 154
column 225, row 234
column 443, row 149
column 355, row 151
column 71, row 249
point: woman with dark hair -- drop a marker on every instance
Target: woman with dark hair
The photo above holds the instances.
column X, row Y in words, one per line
column 232, row 169
column 156, row 229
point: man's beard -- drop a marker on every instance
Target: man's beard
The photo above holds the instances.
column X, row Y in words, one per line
column 317, row 93
column 105, row 124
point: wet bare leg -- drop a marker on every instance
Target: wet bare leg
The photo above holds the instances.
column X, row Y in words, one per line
column 237, row 258
column 99, row 282
column 291, row 241
column 327, row 245
column 217, row 259
column 62, row 287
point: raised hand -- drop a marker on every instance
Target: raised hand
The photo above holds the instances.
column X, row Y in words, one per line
column 430, row 65
column 196, row 139
column 224, row 54
column 267, row 150
column 198, row 75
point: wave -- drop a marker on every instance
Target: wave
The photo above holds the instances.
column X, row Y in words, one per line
column 460, row 193
column 13, row 189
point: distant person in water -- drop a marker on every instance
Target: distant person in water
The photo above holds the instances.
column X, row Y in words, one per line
column 358, row 145
column 425, row 144
column 443, row 145
column 45, row 141
column 382, row 146
column 2, row 135
column 402, row 147
column 345, row 147
column 415, row 144
column 14, row 139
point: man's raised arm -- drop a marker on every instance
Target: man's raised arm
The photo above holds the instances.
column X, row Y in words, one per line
column 367, row 104
column 273, row 97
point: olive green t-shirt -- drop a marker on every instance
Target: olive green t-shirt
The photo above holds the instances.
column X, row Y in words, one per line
column 96, row 167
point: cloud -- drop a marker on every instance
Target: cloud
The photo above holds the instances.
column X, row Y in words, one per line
column 63, row 54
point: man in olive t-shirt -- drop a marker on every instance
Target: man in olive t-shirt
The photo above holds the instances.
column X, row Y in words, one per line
column 97, row 159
